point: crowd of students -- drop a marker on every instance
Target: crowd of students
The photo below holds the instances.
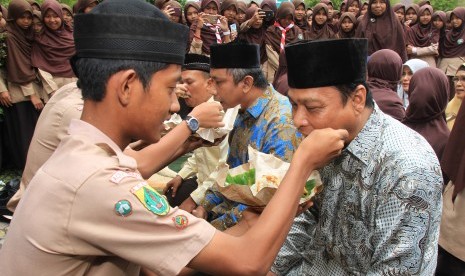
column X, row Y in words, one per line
column 415, row 68
column 38, row 51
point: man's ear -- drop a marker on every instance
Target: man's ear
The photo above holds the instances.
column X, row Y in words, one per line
column 359, row 97
column 247, row 84
column 127, row 82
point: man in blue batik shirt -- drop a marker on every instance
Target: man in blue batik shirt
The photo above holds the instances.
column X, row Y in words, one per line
column 264, row 120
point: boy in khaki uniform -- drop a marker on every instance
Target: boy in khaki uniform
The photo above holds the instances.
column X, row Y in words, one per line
column 88, row 211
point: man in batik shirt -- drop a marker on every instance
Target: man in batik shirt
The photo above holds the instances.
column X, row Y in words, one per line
column 264, row 120
column 380, row 209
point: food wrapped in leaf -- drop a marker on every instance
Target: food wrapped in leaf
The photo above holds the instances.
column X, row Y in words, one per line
column 256, row 182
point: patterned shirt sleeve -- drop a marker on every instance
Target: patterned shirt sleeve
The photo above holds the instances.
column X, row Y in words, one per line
column 407, row 225
column 293, row 250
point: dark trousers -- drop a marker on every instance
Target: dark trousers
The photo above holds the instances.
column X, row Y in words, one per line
column 449, row 265
column 184, row 191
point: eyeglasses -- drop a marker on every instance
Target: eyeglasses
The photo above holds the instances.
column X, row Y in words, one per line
column 459, row 79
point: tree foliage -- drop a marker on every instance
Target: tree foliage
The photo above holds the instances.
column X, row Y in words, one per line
column 444, row 5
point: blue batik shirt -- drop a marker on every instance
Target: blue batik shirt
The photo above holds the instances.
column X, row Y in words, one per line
column 267, row 126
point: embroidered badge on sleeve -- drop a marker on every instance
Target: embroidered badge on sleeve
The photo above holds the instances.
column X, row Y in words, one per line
column 151, row 199
column 180, row 221
column 123, row 208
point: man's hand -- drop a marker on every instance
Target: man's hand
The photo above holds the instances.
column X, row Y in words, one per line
column 181, row 91
column 5, row 99
column 174, row 184
column 209, row 114
column 188, row 205
column 318, row 148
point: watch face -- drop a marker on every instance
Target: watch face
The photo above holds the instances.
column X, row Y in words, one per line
column 193, row 124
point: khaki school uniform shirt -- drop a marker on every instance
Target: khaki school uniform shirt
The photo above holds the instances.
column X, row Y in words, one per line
column 452, row 231
column 52, row 126
column 87, row 211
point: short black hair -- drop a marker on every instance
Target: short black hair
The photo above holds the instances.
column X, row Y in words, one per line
column 94, row 74
column 259, row 79
column 347, row 89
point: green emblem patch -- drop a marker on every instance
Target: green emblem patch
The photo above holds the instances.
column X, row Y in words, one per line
column 123, row 208
column 151, row 199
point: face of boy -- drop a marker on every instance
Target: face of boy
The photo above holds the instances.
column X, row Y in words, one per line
column 150, row 108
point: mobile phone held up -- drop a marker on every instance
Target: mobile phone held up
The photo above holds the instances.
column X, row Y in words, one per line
column 269, row 15
column 212, row 19
column 233, row 28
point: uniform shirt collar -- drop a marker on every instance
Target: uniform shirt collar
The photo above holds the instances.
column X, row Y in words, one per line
column 97, row 137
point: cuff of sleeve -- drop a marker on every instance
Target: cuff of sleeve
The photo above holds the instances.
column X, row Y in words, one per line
column 185, row 174
column 199, row 194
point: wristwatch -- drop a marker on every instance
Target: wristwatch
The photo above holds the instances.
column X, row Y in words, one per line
column 192, row 123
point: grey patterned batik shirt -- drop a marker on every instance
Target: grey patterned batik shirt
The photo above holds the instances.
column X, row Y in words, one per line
column 379, row 212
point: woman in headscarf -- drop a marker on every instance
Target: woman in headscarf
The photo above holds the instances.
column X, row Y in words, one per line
column 34, row 4
column 256, row 33
column 331, row 11
column 342, row 6
column 67, row 14
column 352, row 6
column 299, row 15
column 452, row 46
column 20, row 100
column 280, row 79
column 423, row 38
column 174, row 11
column 54, row 46
column 399, row 10
column 320, row 27
column 241, row 9
column 37, row 24
column 439, row 19
column 209, row 28
column 191, row 12
column 448, row 20
column 382, row 28
column 408, row 69
column 228, row 9
column 384, row 72
column 364, row 8
column 454, row 105
column 429, row 94
column 269, row 5
column 84, row 6
column 411, row 15
column 330, row 5
column 309, row 17
column 281, row 33
column 451, row 253
column 347, row 25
